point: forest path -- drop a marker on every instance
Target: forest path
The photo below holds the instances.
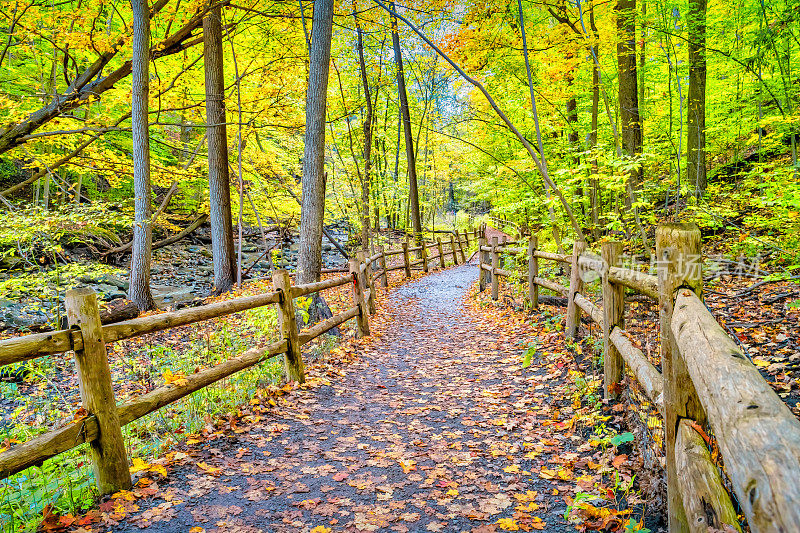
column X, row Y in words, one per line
column 432, row 426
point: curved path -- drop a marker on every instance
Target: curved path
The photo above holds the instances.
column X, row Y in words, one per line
column 433, row 426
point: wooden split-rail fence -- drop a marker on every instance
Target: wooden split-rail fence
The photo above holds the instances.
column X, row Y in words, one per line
column 88, row 338
column 706, row 382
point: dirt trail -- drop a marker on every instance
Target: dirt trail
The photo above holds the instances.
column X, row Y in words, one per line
column 434, row 426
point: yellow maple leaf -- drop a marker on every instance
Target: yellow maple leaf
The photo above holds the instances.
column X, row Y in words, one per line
column 139, row 465
column 508, row 524
column 408, row 465
column 179, row 380
column 213, row 470
column 452, row 492
column 320, row 529
column 513, row 469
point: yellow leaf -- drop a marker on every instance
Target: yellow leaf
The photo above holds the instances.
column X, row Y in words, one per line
column 408, row 466
column 213, row 470
column 139, row 465
column 452, row 492
column 513, row 469
column 321, row 529
column 508, row 524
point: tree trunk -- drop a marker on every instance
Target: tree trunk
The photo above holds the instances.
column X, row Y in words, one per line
column 413, row 191
column 309, row 264
column 628, row 95
column 594, row 183
column 696, row 99
column 139, row 289
column 219, row 189
column 365, row 231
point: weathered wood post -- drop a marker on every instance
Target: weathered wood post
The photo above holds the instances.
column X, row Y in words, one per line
column 533, row 271
column 573, row 318
column 495, row 266
column 441, row 252
column 679, row 267
column 481, row 262
column 362, row 320
column 461, row 249
column 613, row 315
column 109, row 458
column 367, row 280
column 423, row 253
column 453, row 249
column 292, row 358
column 466, row 238
column 406, row 258
column 382, row 260
column 487, row 260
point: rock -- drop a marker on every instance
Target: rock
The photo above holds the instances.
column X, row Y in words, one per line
column 112, row 280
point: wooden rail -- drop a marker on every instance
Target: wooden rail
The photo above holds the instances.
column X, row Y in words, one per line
column 101, row 427
column 705, row 382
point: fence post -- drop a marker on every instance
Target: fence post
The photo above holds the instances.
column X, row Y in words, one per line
column 613, row 316
column 362, row 258
column 406, row 258
column 292, row 358
column 573, row 318
column 441, row 252
column 109, row 458
column 481, row 271
column 423, row 252
column 487, row 260
column 362, row 321
column 495, row 266
column 453, row 248
column 461, row 249
column 466, row 238
column 382, row 259
column 679, row 266
column 533, row 271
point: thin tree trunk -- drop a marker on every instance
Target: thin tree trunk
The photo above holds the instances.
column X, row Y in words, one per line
column 365, row 230
column 309, row 264
column 696, row 98
column 413, row 191
column 219, row 188
column 628, row 93
column 240, row 181
column 594, row 183
column 548, row 183
column 139, row 289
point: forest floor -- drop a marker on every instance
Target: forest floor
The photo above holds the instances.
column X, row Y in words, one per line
column 454, row 415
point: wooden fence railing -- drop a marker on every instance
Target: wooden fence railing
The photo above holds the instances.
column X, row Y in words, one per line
column 87, row 338
column 705, row 381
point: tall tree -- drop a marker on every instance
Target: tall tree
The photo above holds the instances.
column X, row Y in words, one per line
column 631, row 126
column 413, row 191
column 696, row 99
column 365, row 181
column 312, row 211
column 139, row 289
column 219, row 188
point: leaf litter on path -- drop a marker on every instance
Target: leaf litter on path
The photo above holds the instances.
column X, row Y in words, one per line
column 430, row 424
